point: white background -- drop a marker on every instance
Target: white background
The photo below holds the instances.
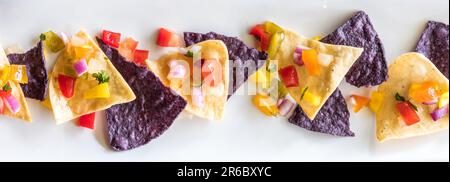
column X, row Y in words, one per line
column 244, row 134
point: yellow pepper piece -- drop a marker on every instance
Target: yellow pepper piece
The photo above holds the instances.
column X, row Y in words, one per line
column 4, row 77
column 265, row 104
column 275, row 42
column 318, row 37
column 84, row 51
column 271, row 27
column 312, row 98
column 100, row 91
column 311, row 62
column 443, row 100
column 261, row 78
column 376, row 99
column 18, row 73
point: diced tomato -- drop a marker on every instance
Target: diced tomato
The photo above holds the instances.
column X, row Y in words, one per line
column 359, row 102
column 2, row 105
column 111, row 38
column 289, row 76
column 212, row 72
column 127, row 48
column 87, row 121
column 3, row 93
column 140, row 56
column 264, row 38
column 408, row 114
column 66, row 85
column 167, row 38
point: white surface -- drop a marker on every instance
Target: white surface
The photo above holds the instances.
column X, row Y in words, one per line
column 244, row 134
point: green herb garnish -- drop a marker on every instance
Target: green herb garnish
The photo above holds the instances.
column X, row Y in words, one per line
column 6, row 88
column 413, row 106
column 303, row 93
column 400, row 98
column 271, row 67
column 101, row 77
column 189, row 54
column 42, row 37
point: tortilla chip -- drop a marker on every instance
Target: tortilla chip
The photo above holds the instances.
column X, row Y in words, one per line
column 407, row 69
column 24, row 112
column 136, row 123
column 67, row 109
column 333, row 117
column 214, row 104
column 244, row 60
column 330, row 77
column 371, row 68
column 34, row 60
column 434, row 45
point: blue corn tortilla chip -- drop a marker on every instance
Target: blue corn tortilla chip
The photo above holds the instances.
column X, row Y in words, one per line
column 244, row 60
column 333, row 117
column 371, row 68
column 434, row 45
column 136, row 123
column 34, row 60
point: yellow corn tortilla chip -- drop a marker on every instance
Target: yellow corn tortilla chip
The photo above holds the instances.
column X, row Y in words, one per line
column 342, row 58
column 214, row 104
column 407, row 69
column 67, row 109
column 24, row 112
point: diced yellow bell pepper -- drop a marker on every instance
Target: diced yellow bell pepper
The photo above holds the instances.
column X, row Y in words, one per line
column 275, row 42
column 4, row 77
column 311, row 98
column 272, row 28
column 261, row 78
column 265, row 104
column 84, row 51
column 318, row 37
column 100, row 91
column 18, row 73
column 443, row 100
column 376, row 99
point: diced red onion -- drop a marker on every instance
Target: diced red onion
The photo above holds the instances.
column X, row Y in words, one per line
column 177, row 70
column 12, row 103
column 285, row 107
column 197, row 97
column 80, row 67
column 439, row 113
column 298, row 59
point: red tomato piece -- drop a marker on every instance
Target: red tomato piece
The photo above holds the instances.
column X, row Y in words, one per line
column 3, row 93
column 289, row 76
column 167, row 38
column 212, row 72
column 408, row 114
column 264, row 38
column 111, row 38
column 87, row 121
column 2, row 105
column 127, row 48
column 140, row 56
column 66, row 85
